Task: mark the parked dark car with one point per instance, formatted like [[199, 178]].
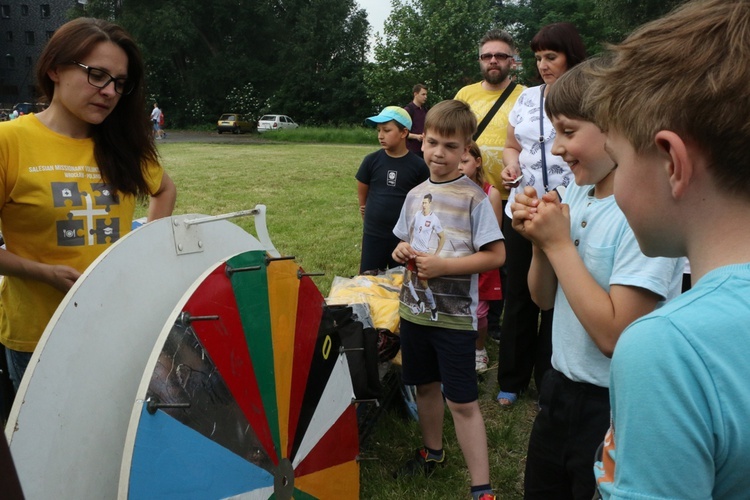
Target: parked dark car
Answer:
[[29, 107]]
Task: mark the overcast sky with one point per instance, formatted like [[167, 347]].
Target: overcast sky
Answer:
[[377, 12]]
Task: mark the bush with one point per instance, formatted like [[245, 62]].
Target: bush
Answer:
[[329, 135]]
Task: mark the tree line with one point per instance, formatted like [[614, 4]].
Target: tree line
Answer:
[[309, 58]]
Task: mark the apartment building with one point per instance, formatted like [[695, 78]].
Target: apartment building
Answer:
[[25, 27]]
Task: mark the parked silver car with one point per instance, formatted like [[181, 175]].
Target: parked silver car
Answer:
[[275, 122]]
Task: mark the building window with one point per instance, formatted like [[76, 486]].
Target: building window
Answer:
[[44, 10], [29, 61], [10, 61], [29, 38], [5, 11], [49, 34], [24, 10], [9, 36]]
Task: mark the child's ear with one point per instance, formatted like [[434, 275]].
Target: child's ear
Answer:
[[676, 160]]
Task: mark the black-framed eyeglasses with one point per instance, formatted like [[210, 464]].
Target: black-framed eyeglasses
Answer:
[[500, 56], [100, 79]]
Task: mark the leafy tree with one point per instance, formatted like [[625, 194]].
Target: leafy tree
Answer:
[[598, 21], [428, 41], [304, 56], [320, 61]]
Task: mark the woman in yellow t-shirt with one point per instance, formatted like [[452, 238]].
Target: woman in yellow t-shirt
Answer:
[[71, 174]]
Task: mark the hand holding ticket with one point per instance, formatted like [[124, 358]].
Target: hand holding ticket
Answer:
[[514, 182]]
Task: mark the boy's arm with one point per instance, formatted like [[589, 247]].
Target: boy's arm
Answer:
[[362, 191], [604, 315], [490, 256], [542, 280], [496, 200]]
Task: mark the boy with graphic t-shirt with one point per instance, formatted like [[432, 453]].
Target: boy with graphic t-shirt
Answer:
[[453, 237], [383, 180]]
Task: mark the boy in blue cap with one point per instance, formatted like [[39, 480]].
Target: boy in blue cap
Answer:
[[383, 180]]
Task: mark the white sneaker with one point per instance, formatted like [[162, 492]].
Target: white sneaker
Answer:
[[481, 359]]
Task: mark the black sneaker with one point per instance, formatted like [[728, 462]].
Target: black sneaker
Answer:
[[494, 334], [420, 465]]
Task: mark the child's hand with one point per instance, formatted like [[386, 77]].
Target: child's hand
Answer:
[[523, 208], [550, 225], [429, 266], [403, 253]]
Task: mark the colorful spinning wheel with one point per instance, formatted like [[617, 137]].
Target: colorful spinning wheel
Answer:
[[246, 394]]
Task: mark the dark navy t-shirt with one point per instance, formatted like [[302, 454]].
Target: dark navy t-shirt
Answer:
[[389, 180]]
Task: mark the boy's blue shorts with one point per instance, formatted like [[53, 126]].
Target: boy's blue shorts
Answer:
[[433, 354]]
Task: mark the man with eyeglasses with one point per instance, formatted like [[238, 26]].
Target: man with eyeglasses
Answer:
[[496, 51]]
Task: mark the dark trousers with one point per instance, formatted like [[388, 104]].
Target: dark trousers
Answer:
[[569, 428], [376, 253], [526, 341]]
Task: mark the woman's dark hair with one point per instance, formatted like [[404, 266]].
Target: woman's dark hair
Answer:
[[560, 37], [123, 142]]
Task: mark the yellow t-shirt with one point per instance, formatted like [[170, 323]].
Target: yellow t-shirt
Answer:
[[54, 209], [492, 140]]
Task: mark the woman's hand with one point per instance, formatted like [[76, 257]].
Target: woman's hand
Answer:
[[60, 277], [510, 173]]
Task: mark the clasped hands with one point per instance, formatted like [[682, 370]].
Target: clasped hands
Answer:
[[545, 222]]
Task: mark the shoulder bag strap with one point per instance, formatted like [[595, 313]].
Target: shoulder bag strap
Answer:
[[491, 113]]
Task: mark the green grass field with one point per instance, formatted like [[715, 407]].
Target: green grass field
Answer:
[[310, 194]]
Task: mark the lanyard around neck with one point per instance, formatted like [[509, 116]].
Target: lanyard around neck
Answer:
[[545, 179]]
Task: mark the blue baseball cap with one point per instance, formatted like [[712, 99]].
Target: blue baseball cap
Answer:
[[389, 113]]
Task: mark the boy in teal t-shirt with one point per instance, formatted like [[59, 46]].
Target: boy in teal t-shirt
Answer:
[[679, 377]]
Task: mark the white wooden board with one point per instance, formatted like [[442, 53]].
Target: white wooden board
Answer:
[[68, 423]]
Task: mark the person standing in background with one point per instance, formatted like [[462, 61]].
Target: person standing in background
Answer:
[[156, 120], [491, 101], [417, 109]]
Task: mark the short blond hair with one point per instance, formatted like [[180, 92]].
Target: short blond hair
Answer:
[[687, 72], [451, 117]]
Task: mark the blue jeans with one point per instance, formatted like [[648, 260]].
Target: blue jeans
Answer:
[[17, 363]]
